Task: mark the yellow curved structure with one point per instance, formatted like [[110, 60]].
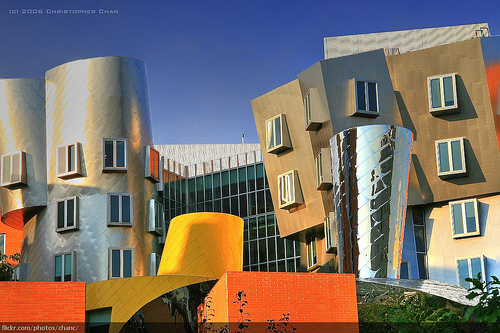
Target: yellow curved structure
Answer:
[[199, 247]]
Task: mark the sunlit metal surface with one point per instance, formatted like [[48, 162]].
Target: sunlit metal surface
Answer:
[[22, 128], [88, 100], [370, 175]]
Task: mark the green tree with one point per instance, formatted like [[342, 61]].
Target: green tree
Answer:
[[6, 268], [487, 310]]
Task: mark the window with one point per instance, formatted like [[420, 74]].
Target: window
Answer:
[[330, 234], [442, 94], [450, 158], [2, 243], [469, 268], [464, 218], [121, 262], [154, 263], [277, 137], [420, 240], [323, 170], [14, 169], [311, 110], [67, 214], [312, 258], [65, 267], [404, 270], [155, 217], [289, 193], [115, 154], [366, 98], [120, 209], [152, 163], [68, 160]]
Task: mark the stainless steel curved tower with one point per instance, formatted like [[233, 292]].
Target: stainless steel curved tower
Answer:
[[370, 175]]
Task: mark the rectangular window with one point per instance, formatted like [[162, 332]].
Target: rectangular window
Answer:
[[121, 262], [450, 157], [65, 267], [366, 98], [115, 154], [330, 234], [68, 160], [312, 258], [323, 170], [155, 217], [289, 193], [14, 169], [469, 268], [307, 109], [120, 209], [154, 263], [277, 137], [405, 271], [67, 214], [464, 218], [442, 91], [2, 243], [152, 167]]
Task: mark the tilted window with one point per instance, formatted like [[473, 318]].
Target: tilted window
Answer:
[[65, 266], [115, 154], [312, 256], [152, 167], [323, 170], [469, 268], [450, 156], [277, 137], [68, 160], [67, 214], [289, 192], [121, 262], [442, 91], [366, 93], [120, 212], [155, 217], [312, 111], [464, 218], [14, 169], [330, 234]]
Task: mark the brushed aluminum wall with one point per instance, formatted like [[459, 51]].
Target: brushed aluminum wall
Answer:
[[88, 100], [370, 174], [22, 128]]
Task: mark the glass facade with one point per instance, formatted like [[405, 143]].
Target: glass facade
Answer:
[[244, 192]]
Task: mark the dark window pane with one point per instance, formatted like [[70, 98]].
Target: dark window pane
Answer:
[[208, 187], [262, 250], [252, 226], [120, 154], [271, 250], [297, 264], [456, 155], [475, 264], [251, 178], [372, 96], [405, 270], [225, 183], [263, 267], [260, 176], [108, 153], [281, 266], [70, 212], [217, 206], [419, 238], [280, 243], [68, 267], [243, 206], [234, 206], [234, 182], [127, 263], [360, 91], [444, 161], [254, 268], [261, 227], [272, 267], [58, 272], [115, 208], [289, 248], [463, 272], [209, 206], [261, 208], [270, 225], [422, 271], [242, 174], [290, 265], [253, 252], [200, 207], [200, 189], [277, 129], [448, 91], [126, 218], [60, 214], [458, 227], [115, 263], [470, 217], [418, 215], [217, 191], [191, 191], [225, 206], [71, 158], [269, 202], [252, 207], [245, 230], [246, 254], [435, 94]]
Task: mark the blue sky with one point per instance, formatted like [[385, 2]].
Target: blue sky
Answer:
[[207, 60]]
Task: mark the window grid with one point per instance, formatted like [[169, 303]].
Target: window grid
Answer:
[[464, 218], [469, 267], [115, 154], [120, 209], [67, 214], [13, 169], [366, 97], [121, 262], [450, 156], [64, 267], [68, 160], [442, 90]]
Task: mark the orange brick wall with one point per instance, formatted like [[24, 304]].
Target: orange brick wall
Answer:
[[13, 239], [313, 302], [48, 303]]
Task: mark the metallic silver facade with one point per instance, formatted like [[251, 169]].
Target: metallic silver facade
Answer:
[[87, 101], [370, 182], [22, 128]]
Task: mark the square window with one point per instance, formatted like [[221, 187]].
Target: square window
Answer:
[[404, 270], [155, 217], [289, 193], [14, 169], [114, 154], [152, 167], [331, 234], [120, 212], [323, 170], [366, 94], [464, 218], [469, 268], [312, 258], [2, 243], [442, 90], [277, 137], [65, 267], [450, 157], [121, 262], [68, 160], [67, 214]]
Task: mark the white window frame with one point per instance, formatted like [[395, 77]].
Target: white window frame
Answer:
[[271, 133], [409, 268], [323, 169], [442, 109], [21, 156], [73, 266], [120, 210], [289, 194], [114, 167], [75, 214], [154, 263], [77, 167], [312, 249], [464, 222], [307, 109], [4, 237], [451, 173], [110, 261], [367, 100], [147, 166], [156, 217], [483, 268], [330, 234]]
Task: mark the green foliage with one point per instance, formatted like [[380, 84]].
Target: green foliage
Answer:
[[6, 268], [487, 310], [410, 312]]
